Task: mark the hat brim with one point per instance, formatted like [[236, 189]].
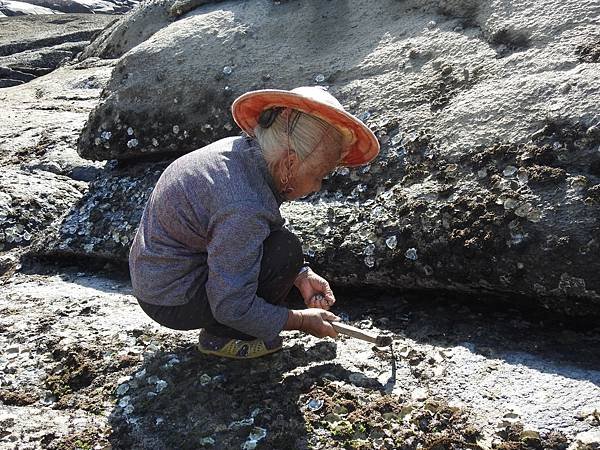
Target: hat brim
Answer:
[[360, 144]]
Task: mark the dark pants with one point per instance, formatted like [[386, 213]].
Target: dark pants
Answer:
[[281, 261]]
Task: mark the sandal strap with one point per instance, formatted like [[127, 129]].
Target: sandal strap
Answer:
[[239, 349]]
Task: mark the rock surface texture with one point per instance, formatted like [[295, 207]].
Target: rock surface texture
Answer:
[[487, 183], [83, 367], [13, 8], [42, 175], [31, 46], [489, 175]]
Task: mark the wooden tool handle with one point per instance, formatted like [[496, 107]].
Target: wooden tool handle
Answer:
[[354, 332]]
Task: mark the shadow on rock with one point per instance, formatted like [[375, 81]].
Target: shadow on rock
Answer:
[[547, 343], [183, 399]]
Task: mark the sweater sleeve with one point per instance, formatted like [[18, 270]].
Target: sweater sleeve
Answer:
[[234, 251]]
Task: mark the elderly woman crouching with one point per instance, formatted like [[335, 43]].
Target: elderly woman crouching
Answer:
[[211, 252]]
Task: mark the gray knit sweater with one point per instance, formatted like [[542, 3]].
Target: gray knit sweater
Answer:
[[203, 228]]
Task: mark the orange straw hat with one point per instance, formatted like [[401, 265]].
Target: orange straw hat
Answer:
[[359, 143]]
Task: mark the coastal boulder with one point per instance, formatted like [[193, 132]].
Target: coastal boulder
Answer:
[[489, 176]]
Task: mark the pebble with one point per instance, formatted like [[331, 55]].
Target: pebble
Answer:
[[363, 117], [205, 379], [391, 242], [530, 434], [411, 254], [377, 212], [509, 171], [510, 203], [446, 70], [315, 404], [523, 210], [535, 215], [523, 176], [206, 441], [122, 389], [124, 401], [396, 139], [161, 385]]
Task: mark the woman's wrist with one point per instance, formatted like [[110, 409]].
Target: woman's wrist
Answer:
[[303, 273], [295, 320]]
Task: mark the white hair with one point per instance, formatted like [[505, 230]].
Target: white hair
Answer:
[[306, 132]]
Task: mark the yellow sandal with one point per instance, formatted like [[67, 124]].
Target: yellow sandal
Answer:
[[236, 348]]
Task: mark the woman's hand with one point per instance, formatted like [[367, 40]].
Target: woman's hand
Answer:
[[313, 321], [315, 290]]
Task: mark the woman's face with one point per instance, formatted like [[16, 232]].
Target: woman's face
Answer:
[[307, 176]]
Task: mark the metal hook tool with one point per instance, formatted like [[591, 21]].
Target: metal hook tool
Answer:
[[379, 340]]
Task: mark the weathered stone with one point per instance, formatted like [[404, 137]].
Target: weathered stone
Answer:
[[461, 235], [102, 224], [41, 120], [38, 62], [138, 26], [31, 46], [36, 7], [486, 178], [18, 34], [30, 202], [464, 237], [175, 77]]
